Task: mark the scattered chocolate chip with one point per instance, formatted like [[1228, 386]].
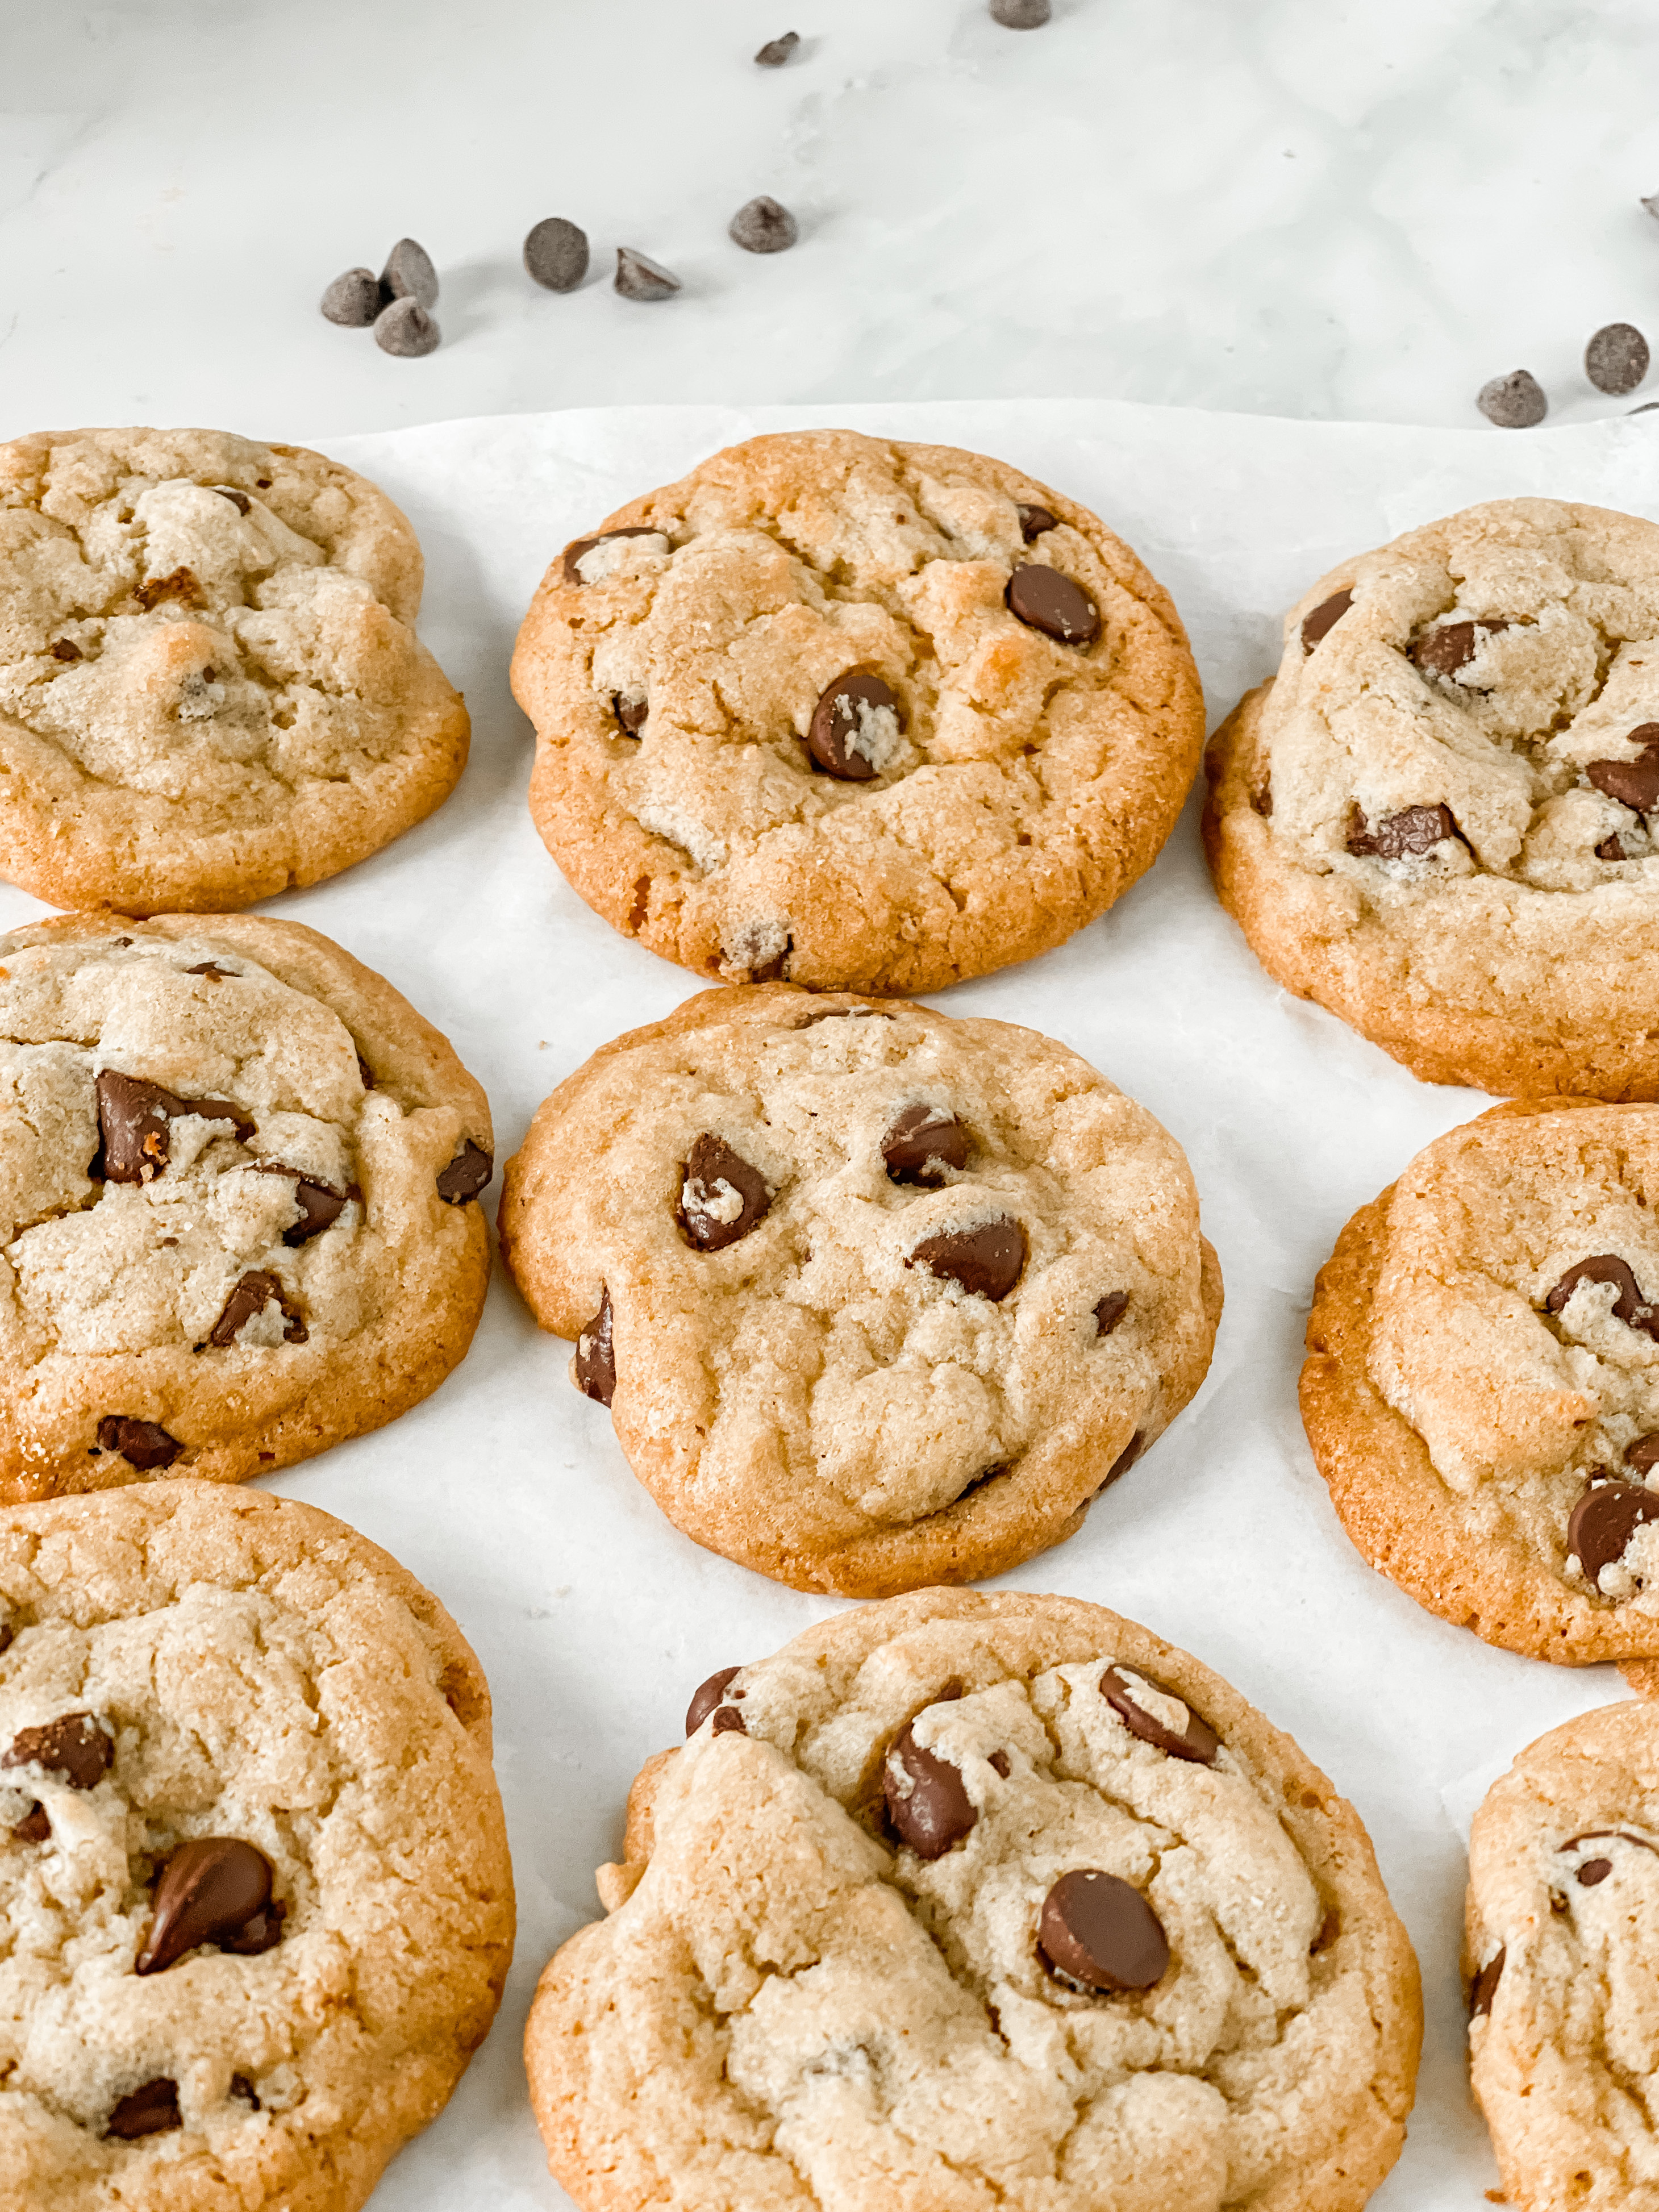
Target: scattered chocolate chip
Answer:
[[215, 1890], [998, 1764], [927, 1804], [1484, 1988], [1616, 359], [1630, 1306], [75, 1747], [1633, 783], [1515, 402], [555, 254], [1020, 14], [1048, 600], [210, 968], [1125, 1459], [405, 328], [728, 1720], [149, 2110], [243, 504], [721, 1197], [640, 277], [63, 649], [1109, 1310], [133, 1119], [1034, 521], [142, 1444], [243, 2090], [180, 585], [777, 52], [352, 298], [1197, 1741], [1099, 1933], [409, 274], [1325, 618], [1643, 1454], [707, 1696], [922, 1143], [844, 738], [35, 1826], [596, 1359], [1413, 830], [467, 1174], [763, 226], [986, 1259], [1596, 1871], [574, 552], [1611, 848], [251, 1295], [630, 713], [1603, 1522]]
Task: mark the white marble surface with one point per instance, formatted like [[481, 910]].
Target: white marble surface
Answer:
[[1293, 207]]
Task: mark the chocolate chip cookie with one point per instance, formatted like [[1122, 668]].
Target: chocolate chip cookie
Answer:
[[254, 1887], [1440, 818], [876, 1297], [841, 711], [1562, 1961], [238, 1176], [966, 1900], [211, 686], [1481, 1390]]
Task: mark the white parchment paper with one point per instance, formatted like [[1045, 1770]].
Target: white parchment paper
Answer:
[[505, 1492]]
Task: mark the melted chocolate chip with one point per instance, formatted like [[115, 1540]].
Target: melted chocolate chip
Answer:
[[1034, 521], [1484, 1988], [1197, 1741], [1046, 599], [134, 1125], [63, 649], [1611, 848], [319, 1209], [721, 1197], [1099, 1932], [986, 1260], [143, 1444], [252, 1293], [1603, 1522], [574, 550], [215, 1890], [1449, 647], [181, 585], [467, 1174], [707, 1696], [596, 1359], [1125, 1459], [1630, 1306], [1324, 618], [365, 1072], [1401, 836], [242, 2090], [927, 1802], [728, 1720], [1643, 1454], [149, 2110], [1109, 1310], [999, 1763], [75, 1747], [631, 714], [922, 1144], [1633, 783], [239, 500], [35, 1826], [837, 736], [210, 968], [1593, 1872]]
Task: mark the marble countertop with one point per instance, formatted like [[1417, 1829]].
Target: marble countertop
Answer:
[[1310, 209]]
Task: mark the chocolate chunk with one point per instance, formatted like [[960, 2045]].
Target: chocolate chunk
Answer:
[[1099, 1933], [1401, 836], [763, 225], [1611, 848], [1643, 1454], [242, 504], [640, 277], [1109, 1310], [728, 1721], [75, 1747], [409, 274], [35, 1826], [1325, 618], [467, 1174], [927, 1802], [1595, 1871], [1484, 1988], [1046, 599], [630, 713], [986, 1259], [555, 254], [63, 649], [1630, 1306], [840, 738], [406, 329], [215, 1890], [574, 550], [142, 1444], [721, 1197], [149, 2110], [707, 1696], [1021, 14], [133, 1125], [180, 585], [1603, 1522], [319, 1209], [777, 52], [1034, 521], [211, 969], [596, 1359], [1616, 359], [1449, 647], [1515, 402], [1633, 783], [1197, 1741], [251, 1295], [922, 1143]]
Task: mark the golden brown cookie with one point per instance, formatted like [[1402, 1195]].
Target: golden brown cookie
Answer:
[[1440, 818], [842, 711], [211, 686]]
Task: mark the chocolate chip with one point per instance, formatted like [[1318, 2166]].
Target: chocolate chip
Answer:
[[243, 2090], [1109, 1310], [927, 1802], [75, 1747], [1643, 1454], [640, 277], [1484, 1988], [63, 649], [251, 1295], [707, 1696], [1603, 1522], [148, 2110], [1451, 647], [1099, 1932], [320, 1206], [777, 52], [1633, 783], [467, 1174], [143, 1444], [1595, 1871], [1197, 1741], [134, 1125], [998, 1764], [596, 1359], [1515, 402], [1020, 14], [721, 1197], [1046, 599], [1616, 359], [1034, 521], [1630, 1306], [630, 713], [574, 550], [728, 1720], [555, 254], [1325, 618], [922, 1143], [35, 1827], [214, 1890], [180, 585], [986, 1259], [242, 504], [763, 226], [1125, 1459], [1413, 830], [406, 329], [409, 274], [353, 299], [1611, 848], [7, 1636], [365, 1072], [210, 968], [844, 736], [1262, 801]]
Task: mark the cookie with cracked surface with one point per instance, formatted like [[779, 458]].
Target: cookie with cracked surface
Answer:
[[876, 1297], [211, 686], [1481, 1390], [1440, 818], [981, 1900], [218, 1983], [1561, 1963], [236, 1176], [845, 712]]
